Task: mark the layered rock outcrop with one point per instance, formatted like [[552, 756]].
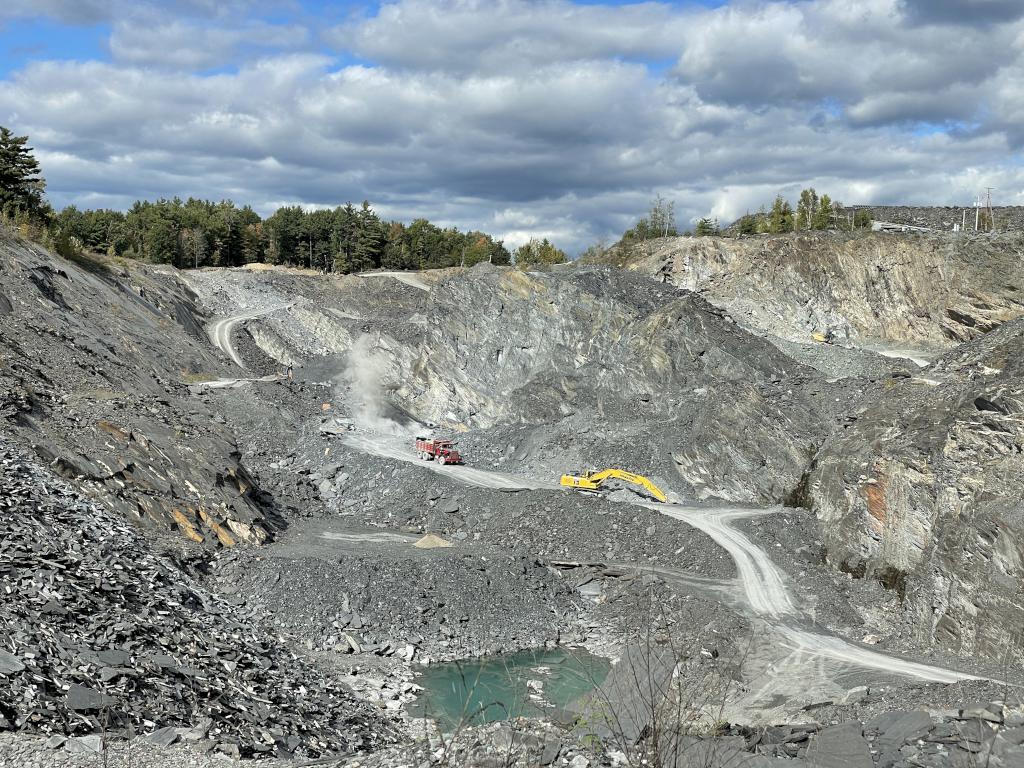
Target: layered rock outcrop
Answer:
[[95, 364], [930, 290], [924, 491]]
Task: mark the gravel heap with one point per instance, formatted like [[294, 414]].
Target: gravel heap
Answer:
[[446, 604], [972, 735], [99, 633]]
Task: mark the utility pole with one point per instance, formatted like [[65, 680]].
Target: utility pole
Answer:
[[991, 215], [977, 211]]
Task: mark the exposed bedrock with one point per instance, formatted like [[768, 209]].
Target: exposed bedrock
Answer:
[[924, 492], [928, 290], [609, 367], [95, 366]]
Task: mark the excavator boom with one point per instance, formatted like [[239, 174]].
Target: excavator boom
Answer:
[[591, 481]]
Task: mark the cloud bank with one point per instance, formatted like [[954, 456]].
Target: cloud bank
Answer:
[[529, 117]]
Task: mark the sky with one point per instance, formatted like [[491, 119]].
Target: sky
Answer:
[[521, 118]]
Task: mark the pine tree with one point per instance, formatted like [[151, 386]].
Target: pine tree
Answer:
[[370, 239], [747, 224], [345, 238], [707, 227], [781, 217], [21, 186]]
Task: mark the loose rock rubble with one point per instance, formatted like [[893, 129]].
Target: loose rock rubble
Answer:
[[101, 634], [974, 735]]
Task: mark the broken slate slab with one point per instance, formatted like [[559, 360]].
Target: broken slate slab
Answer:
[[840, 746], [908, 726], [85, 745], [9, 664], [82, 699], [112, 658], [991, 713], [162, 737]]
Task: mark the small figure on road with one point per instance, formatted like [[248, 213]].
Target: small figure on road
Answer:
[[289, 373]]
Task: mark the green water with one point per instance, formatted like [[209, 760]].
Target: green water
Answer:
[[496, 688]]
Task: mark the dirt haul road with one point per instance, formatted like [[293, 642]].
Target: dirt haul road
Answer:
[[220, 330], [409, 278], [762, 585]]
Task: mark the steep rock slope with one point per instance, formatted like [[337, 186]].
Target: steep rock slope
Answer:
[[608, 368], [924, 491], [569, 369], [95, 363], [931, 290]]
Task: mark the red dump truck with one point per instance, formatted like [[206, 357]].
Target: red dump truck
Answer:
[[443, 450]]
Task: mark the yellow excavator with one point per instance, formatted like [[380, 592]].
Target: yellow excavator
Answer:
[[591, 481]]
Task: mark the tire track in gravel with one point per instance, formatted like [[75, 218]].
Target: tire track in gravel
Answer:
[[764, 585]]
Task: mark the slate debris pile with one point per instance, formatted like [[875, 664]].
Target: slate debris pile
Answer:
[[408, 497], [99, 633], [94, 378], [974, 735], [449, 605]]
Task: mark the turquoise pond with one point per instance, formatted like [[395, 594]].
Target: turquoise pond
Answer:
[[524, 684]]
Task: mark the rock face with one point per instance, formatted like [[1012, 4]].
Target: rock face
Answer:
[[924, 491], [610, 368], [507, 345], [589, 366], [94, 374], [933, 290]]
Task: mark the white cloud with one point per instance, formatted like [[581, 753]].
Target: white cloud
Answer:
[[538, 118], [190, 45]]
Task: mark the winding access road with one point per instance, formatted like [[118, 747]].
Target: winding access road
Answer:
[[810, 657], [409, 278], [220, 330]]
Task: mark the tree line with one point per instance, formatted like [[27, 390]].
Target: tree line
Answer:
[[811, 213], [198, 233]]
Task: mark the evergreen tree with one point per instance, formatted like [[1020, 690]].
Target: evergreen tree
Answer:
[[21, 185], [370, 239], [747, 225], [284, 233], [318, 234], [706, 227], [346, 238], [823, 216], [396, 251], [780, 219]]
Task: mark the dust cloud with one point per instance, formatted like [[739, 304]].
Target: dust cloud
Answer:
[[364, 375]]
